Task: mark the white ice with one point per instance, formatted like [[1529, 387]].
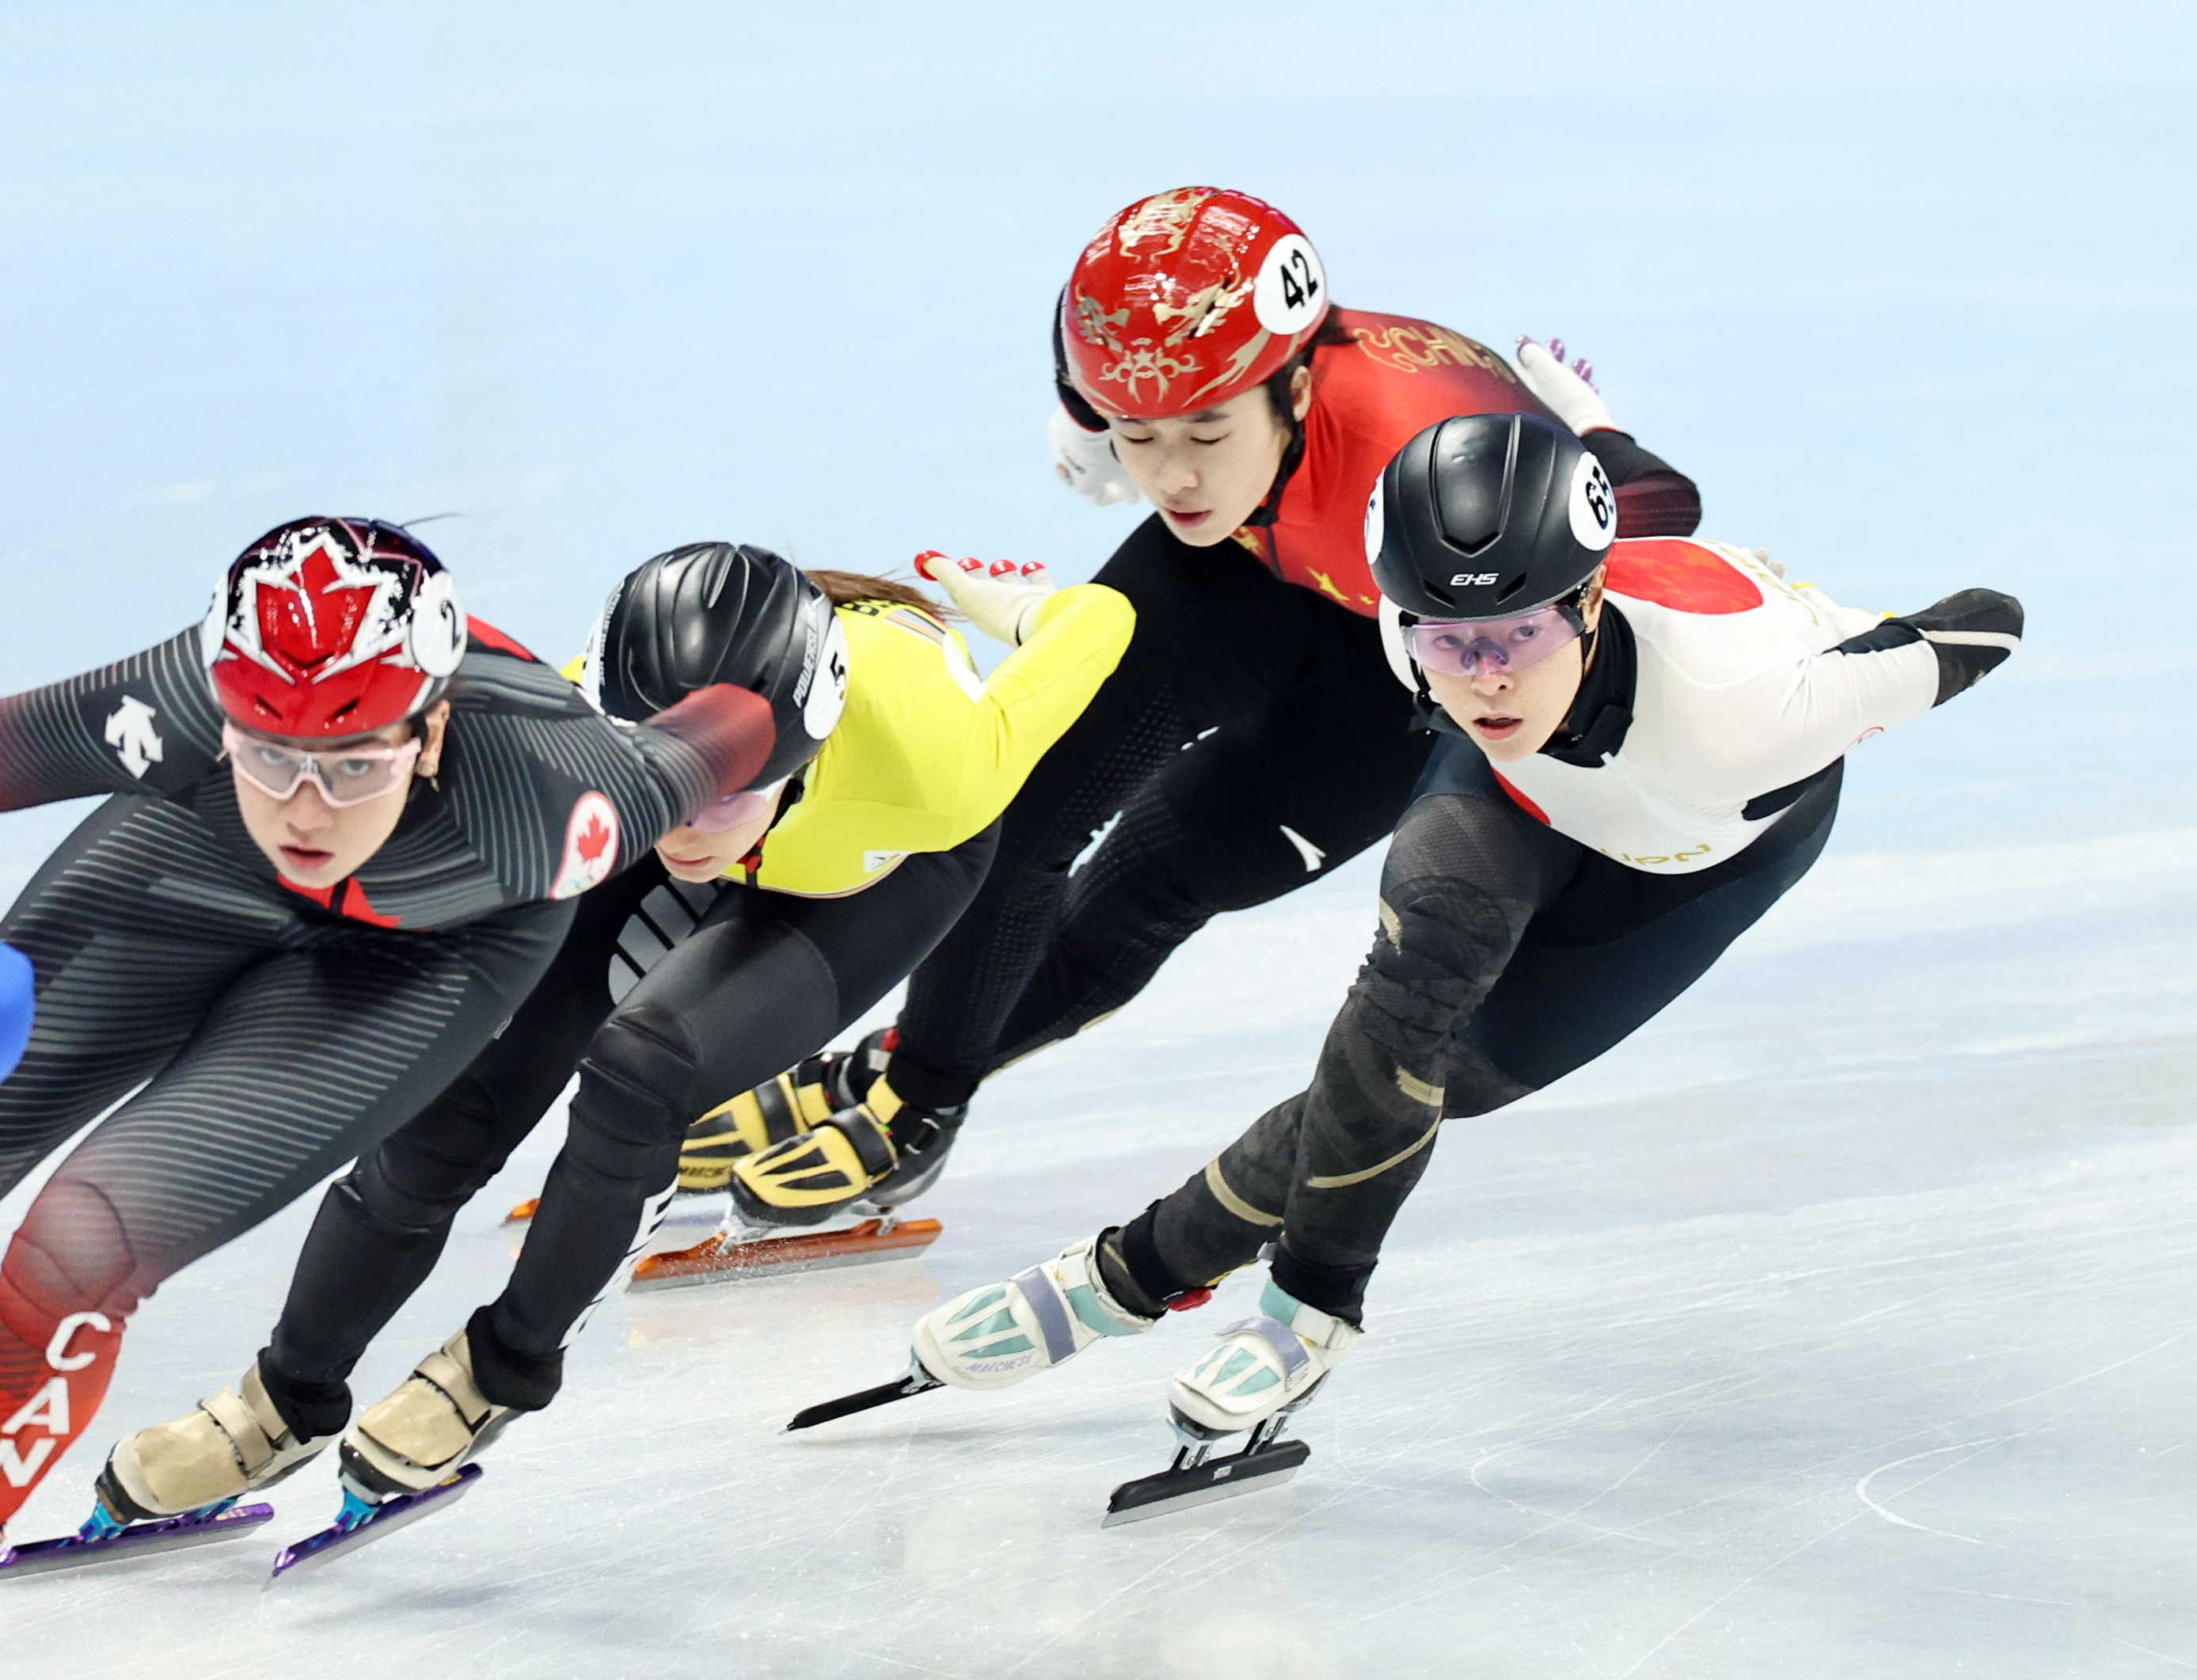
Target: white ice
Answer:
[[1841, 1322]]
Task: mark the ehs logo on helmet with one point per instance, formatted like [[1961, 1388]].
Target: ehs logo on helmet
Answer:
[[591, 846]]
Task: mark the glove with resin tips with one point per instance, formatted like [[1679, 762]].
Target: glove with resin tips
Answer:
[[1001, 600], [1087, 463], [1568, 392]]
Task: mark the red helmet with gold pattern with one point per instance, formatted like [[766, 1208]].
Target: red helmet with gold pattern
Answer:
[[1187, 299]]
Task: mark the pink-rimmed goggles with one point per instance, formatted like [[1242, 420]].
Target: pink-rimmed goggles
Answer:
[[738, 808], [1465, 647], [343, 775]]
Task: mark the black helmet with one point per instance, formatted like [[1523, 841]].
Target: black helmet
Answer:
[[721, 612], [1482, 516]]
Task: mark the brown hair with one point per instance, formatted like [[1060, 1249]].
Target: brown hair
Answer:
[[840, 588]]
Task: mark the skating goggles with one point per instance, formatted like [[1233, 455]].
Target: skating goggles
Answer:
[[345, 775], [736, 809], [1467, 646]]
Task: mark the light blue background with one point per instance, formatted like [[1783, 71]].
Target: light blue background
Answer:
[[1908, 290]]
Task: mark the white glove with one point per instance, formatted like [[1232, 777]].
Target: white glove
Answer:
[[1568, 392], [1087, 462], [1001, 599]]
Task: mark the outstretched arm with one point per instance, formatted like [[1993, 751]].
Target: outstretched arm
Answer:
[[148, 723], [1654, 498], [1969, 636]]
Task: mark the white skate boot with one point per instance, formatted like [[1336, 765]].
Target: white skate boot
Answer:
[[229, 1444], [1261, 1367], [995, 1337], [436, 1420]]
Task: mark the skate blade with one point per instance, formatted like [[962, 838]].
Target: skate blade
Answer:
[[723, 1256], [140, 1539], [1169, 1491], [917, 1382], [398, 1513]]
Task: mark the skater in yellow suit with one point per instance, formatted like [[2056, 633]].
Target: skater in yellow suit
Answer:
[[738, 946]]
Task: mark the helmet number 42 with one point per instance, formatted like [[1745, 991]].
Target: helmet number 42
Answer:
[[1288, 295]]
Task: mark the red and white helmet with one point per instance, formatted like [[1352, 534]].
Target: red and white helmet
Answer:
[[332, 627], [1187, 299]]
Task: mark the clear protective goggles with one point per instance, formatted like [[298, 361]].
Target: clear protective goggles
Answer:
[[345, 775], [737, 809], [1466, 647]]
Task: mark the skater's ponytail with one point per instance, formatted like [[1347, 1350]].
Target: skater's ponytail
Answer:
[[842, 588]]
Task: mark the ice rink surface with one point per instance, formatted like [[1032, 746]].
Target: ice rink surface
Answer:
[[1841, 1322]]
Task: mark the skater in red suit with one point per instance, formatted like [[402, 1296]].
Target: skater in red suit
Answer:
[[348, 832], [1250, 739]]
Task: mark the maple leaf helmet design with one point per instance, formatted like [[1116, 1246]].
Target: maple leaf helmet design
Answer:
[[327, 628], [713, 612], [1187, 299]]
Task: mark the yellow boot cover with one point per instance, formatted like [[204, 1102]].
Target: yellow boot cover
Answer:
[[805, 1178], [224, 1446], [750, 1123]]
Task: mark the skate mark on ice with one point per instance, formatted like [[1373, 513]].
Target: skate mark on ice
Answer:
[[1972, 1448], [2177, 1661]]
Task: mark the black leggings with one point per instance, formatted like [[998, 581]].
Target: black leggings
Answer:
[[1252, 738], [1510, 956], [738, 985]]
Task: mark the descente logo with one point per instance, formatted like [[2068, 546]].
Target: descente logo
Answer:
[[1474, 580]]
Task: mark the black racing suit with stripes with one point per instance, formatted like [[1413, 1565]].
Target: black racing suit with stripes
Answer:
[[1535, 913], [269, 1033]]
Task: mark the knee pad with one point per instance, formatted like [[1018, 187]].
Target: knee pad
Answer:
[[72, 1254], [636, 1084]]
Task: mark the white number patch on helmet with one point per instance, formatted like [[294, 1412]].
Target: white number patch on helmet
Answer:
[[1593, 505], [1377, 521], [1291, 289], [437, 635], [591, 660], [827, 693]]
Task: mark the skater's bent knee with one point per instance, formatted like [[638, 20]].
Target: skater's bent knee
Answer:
[[72, 1254], [637, 1079]]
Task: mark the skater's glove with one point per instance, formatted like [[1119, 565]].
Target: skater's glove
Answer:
[[1001, 600], [1568, 392], [1087, 463]]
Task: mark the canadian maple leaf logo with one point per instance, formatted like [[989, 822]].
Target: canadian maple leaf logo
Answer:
[[591, 845], [593, 840]]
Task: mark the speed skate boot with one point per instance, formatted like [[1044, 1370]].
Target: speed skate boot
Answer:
[[880, 1151], [1260, 1369], [996, 1336], [782, 1109], [437, 1419], [1001, 1334], [229, 1444]]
